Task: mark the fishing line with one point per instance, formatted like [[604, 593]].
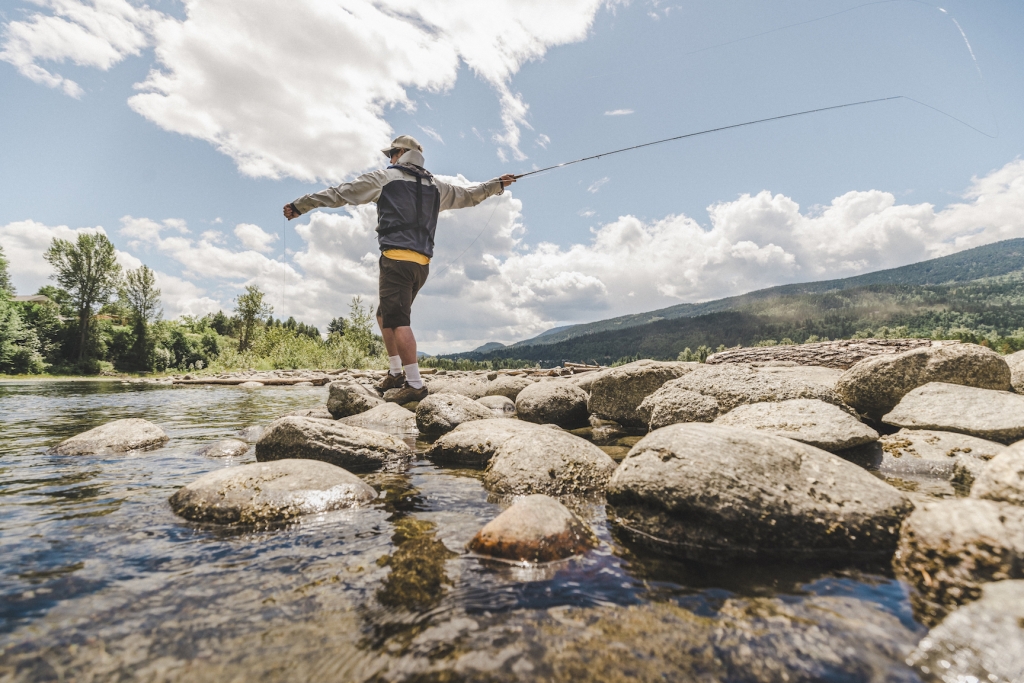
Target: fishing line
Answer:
[[478, 236]]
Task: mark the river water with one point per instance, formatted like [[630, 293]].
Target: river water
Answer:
[[100, 581]]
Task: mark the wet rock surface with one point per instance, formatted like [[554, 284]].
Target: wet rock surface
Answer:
[[809, 421], [387, 417], [119, 436], [320, 413], [983, 641], [1002, 479], [700, 490], [535, 528], [547, 461], [949, 549], [346, 398], [617, 393], [671, 405], [269, 492], [441, 413], [474, 443], [507, 386], [472, 386], [553, 403], [228, 448], [353, 448], [501, 406], [984, 413], [874, 386]]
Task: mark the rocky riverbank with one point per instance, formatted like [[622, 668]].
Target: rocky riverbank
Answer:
[[911, 459]]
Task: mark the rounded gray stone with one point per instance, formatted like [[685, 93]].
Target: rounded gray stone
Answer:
[[269, 492], [1002, 479], [474, 443], [250, 385], [441, 413], [553, 403], [535, 528], [671, 405], [930, 452], [508, 386], [320, 413], [228, 448], [353, 448], [386, 417], [349, 398], [984, 413], [688, 489], [547, 461], [119, 436], [809, 421], [470, 386], [950, 548], [875, 385], [501, 406], [1015, 361], [617, 393]]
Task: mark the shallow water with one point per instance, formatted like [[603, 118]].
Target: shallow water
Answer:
[[101, 581]]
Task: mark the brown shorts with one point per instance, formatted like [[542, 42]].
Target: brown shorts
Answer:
[[399, 283]]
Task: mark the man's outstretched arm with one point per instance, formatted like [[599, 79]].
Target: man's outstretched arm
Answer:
[[456, 197], [363, 190]]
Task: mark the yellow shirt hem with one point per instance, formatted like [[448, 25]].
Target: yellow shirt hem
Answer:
[[407, 255]]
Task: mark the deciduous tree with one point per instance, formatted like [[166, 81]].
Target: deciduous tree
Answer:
[[250, 309]]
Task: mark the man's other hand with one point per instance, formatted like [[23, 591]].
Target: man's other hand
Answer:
[[507, 179], [290, 212]]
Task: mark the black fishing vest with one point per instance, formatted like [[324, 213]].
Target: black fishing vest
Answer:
[[407, 213]]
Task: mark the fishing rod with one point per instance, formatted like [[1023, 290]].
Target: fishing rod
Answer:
[[740, 125]]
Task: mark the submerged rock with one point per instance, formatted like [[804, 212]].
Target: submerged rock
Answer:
[[119, 436], [387, 417], [268, 492], [688, 489], [320, 413], [809, 421], [985, 413], [982, 641], [353, 448], [948, 549], [617, 393], [251, 434], [875, 385], [474, 443], [508, 386], [536, 528], [501, 406], [1003, 478], [440, 413], [553, 403], [228, 448], [547, 461], [348, 398], [671, 405]]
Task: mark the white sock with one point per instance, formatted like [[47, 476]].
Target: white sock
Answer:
[[412, 375], [396, 364]]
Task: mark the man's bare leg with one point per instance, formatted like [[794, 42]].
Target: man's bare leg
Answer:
[[391, 345], [401, 343]]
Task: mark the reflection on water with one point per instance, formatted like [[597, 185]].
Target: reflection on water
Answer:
[[100, 581]]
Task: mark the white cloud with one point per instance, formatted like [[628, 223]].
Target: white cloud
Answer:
[[542, 141], [25, 242], [619, 112], [597, 185], [252, 236], [432, 133]]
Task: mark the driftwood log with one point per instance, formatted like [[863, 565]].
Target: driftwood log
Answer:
[[841, 354], [267, 381]]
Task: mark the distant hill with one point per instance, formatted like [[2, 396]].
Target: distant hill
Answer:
[[978, 292], [489, 346]]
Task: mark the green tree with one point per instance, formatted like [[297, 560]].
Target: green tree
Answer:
[[19, 345], [251, 309], [140, 295], [5, 275], [337, 326], [88, 270]]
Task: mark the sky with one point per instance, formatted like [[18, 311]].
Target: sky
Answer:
[[180, 129]]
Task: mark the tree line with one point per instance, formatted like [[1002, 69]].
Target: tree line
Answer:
[[98, 317]]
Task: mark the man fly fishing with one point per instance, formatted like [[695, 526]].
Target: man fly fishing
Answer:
[[408, 201]]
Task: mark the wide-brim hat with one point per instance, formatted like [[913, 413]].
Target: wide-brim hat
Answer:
[[402, 142]]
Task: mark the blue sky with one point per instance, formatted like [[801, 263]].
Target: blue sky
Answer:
[[248, 112]]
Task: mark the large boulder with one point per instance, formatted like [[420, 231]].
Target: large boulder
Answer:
[[349, 398], [119, 436], [269, 492], [670, 405], [924, 452], [948, 549], [353, 448], [688, 489], [1015, 361], [441, 413], [875, 385], [983, 641], [471, 386], [547, 461], [226, 448], [734, 385], [508, 386], [808, 420], [985, 413], [617, 393], [535, 528], [474, 443], [501, 406], [386, 417], [1003, 477], [553, 403]]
